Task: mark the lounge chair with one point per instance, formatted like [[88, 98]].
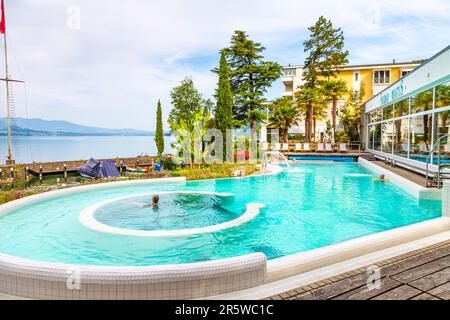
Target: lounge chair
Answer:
[[306, 147], [328, 147], [285, 147], [277, 147], [343, 148], [423, 148], [298, 147], [320, 147]]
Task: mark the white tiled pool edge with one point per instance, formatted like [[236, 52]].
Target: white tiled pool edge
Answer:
[[406, 185]]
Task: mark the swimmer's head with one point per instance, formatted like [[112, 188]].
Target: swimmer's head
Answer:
[[155, 198]]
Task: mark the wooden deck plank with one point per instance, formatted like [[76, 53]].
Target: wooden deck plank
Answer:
[[414, 261], [403, 292], [365, 293], [442, 292], [433, 280], [425, 296], [423, 270], [336, 288]]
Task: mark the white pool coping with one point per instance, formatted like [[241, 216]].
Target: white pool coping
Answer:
[[87, 218], [418, 191]]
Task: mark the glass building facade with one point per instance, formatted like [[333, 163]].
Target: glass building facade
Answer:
[[409, 128]]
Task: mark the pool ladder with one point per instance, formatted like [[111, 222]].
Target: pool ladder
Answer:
[[443, 170]]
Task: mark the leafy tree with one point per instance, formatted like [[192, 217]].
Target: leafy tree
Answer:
[[200, 119], [350, 115], [326, 53], [250, 77], [334, 90], [187, 102], [159, 134], [310, 101], [284, 116]]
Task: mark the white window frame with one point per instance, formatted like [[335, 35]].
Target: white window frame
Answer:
[[384, 71], [405, 70]]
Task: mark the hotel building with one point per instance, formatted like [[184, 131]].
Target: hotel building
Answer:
[[409, 122], [372, 79]]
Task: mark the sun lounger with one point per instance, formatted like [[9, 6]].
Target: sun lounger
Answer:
[[328, 147], [298, 147], [276, 147], [343, 148], [320, 147], [285, 147], [306, 147]]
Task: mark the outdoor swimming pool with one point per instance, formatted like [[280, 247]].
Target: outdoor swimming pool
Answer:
[[311, 206]]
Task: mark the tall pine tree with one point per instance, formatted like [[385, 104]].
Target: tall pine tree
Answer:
[[159, 134], [250, 77], [326, 53], [224, 107]]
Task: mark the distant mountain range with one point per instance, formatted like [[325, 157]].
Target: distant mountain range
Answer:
[[40, 127]]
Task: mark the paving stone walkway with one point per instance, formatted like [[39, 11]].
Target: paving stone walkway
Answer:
[[420, 275]]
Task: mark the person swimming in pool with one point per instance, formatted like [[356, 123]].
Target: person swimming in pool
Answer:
[[155, 202], [382, 178]]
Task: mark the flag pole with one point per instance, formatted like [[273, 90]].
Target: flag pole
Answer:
[[8, 99], [7, 80]]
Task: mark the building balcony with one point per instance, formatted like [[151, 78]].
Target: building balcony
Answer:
[[288, 80], [288, 93]]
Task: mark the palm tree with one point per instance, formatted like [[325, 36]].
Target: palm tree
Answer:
[[334, 90], [318, 114], [284, 116], [310, 102]]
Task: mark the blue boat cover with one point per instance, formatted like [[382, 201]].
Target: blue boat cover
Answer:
[[96, 169], [159, 166], [90, 169], [109, 169]]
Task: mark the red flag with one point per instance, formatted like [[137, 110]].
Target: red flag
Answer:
[[2, 21]]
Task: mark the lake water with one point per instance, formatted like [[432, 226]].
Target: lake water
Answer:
[[43, 149]]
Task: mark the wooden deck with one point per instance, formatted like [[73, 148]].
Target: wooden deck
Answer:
[[420, 275], [405, 173]]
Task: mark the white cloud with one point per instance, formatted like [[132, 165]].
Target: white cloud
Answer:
[[128, 54]]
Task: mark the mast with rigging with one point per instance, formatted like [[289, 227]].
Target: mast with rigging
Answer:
[[7, 81]]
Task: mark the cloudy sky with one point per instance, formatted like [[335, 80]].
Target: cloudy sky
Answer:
[[109, 67]]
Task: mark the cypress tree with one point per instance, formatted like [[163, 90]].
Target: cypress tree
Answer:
[[159, 135], [224, 107]]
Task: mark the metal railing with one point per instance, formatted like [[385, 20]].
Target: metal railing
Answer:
[[350, 147], [430, 157]]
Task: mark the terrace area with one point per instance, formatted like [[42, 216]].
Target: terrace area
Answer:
[[419, 275]]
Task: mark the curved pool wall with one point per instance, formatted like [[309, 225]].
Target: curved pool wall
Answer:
[[44, 280], [87, 218]]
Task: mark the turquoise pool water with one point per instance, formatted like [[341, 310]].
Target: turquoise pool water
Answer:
[[313, 205], [175, 211]]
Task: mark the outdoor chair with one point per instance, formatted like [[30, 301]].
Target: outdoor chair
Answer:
[[343, 148], [306, 147]]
